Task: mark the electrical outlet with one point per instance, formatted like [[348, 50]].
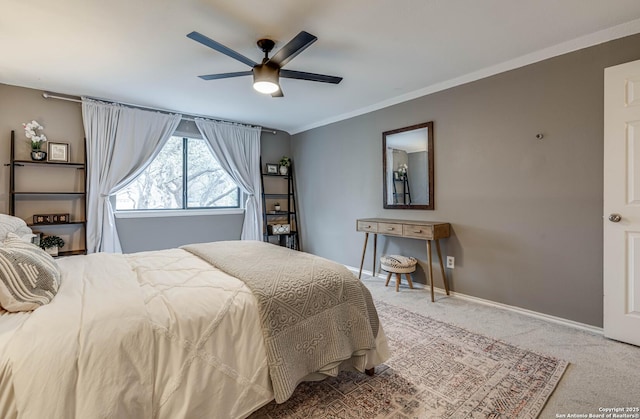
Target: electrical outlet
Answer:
[[451, 262]]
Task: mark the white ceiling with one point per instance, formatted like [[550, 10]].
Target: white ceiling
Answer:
[[136, 51]]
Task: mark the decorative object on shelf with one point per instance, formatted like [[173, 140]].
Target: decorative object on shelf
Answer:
[[59, 152], [285, 162], [41, 219], [38, 155], [51, 244], [36, 140], [60, 218], [276, 206], [36, 238], [279, 229], [272, 169], [51, 218], [402, 170]]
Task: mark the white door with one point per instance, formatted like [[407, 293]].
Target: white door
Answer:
[[622, 202]]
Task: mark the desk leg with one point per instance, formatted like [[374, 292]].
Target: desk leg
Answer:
[[375, 246], [444, 276], [429, 262], [364, 250]]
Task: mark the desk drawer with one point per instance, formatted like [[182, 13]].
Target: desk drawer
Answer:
[[417, 231], [367, 226], [390, 229]]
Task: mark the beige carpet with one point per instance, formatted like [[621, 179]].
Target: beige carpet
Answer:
[[436, 371]]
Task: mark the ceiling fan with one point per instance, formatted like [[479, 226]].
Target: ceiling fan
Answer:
[[266, 75]]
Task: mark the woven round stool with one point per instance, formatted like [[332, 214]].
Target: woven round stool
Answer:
[[399, 265]]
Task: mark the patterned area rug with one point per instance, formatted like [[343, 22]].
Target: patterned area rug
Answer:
[[436, 371]]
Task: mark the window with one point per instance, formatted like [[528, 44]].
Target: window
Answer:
[[184, 175]]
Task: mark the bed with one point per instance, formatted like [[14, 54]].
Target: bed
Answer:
[[176, 333]]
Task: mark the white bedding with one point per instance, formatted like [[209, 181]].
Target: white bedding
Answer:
[[149, 335]]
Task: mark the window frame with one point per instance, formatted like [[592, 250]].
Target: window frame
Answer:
[[158, 213], [185, 210]]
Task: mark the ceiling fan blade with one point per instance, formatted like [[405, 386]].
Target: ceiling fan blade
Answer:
[[198, 37], [293, 48], [278, 93], [301, 75], [226, 75]]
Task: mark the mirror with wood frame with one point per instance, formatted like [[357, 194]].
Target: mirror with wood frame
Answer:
[[407, 164]]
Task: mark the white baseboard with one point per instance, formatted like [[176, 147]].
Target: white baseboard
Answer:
[[530, 313]]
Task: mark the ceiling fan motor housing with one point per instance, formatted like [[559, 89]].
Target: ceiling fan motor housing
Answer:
[[266, 70], [267, 73]]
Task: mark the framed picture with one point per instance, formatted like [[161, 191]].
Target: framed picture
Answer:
[[272, 168], [396, 175], [58, 152]]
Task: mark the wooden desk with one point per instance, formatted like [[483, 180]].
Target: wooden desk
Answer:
[[423, 230]]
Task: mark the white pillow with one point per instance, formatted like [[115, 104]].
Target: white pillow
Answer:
[[25, 233], [11, 224], [29, 277], [27, 238]]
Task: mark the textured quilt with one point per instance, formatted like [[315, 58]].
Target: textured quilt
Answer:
[[314, 312]]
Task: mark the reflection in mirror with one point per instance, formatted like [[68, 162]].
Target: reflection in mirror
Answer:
[[407, 161]]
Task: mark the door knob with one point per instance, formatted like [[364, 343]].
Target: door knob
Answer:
[[614, 218]]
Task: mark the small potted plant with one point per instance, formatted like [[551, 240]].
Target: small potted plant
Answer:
[[51, 244], [30, 131], [402, 170], [276, 206], [285, 162]]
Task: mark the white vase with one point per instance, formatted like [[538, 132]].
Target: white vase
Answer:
[[53, 251], [38, 155], [284, 170]]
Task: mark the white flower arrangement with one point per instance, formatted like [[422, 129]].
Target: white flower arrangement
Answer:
[[402, 169], [30, 131]]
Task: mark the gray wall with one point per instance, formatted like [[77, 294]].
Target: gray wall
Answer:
[[63, 123], [526, 214]]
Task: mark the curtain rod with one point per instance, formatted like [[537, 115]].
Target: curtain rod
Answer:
[[188, 117]]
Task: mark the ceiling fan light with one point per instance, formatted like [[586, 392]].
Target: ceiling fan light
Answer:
[[265, 79], [265, 87]]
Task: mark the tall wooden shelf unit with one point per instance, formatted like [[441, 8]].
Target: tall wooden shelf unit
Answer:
[[43, 199], [288, 212]]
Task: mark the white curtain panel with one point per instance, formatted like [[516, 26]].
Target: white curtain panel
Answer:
[[120, 142], [237, 149]]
